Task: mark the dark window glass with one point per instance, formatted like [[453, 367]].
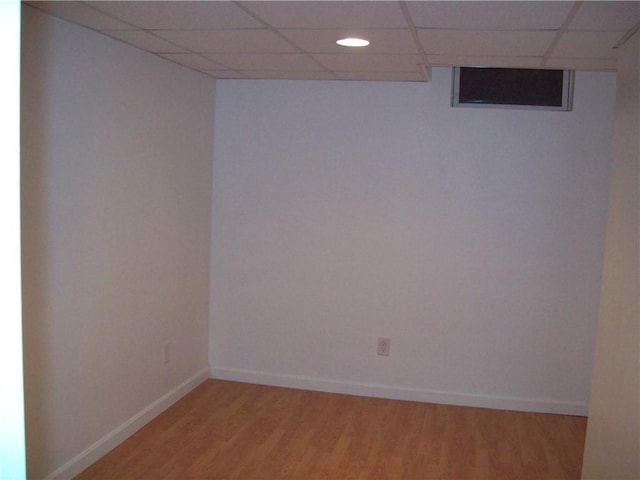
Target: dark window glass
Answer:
[[511, 86]]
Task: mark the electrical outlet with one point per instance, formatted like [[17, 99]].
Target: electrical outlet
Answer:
[[167, 353], [384, 344]]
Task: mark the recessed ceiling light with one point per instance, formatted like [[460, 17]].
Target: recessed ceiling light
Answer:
[[353, 42]]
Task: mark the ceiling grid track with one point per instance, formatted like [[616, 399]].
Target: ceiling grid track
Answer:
[[152, 32], [283, 37], [561, 31], [625, 38], [424, 66]]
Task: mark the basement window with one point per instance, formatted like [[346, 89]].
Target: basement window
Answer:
[[531, 88]]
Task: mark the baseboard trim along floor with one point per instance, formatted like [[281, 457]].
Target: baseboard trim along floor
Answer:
[[539, 405], [99, 448]]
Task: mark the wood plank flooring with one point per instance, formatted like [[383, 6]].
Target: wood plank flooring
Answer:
[[228, 430]]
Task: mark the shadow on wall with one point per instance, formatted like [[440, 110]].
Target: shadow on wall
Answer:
[[35, 266]]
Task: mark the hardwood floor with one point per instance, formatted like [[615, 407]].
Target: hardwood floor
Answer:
[[233, 430]]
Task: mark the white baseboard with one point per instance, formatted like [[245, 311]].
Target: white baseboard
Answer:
[[402, 393], [112, 439]]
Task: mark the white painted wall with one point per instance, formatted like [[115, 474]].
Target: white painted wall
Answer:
[[117, 148], [612, 448], [473, 238]]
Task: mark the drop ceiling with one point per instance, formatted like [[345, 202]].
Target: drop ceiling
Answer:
[[296, 39]]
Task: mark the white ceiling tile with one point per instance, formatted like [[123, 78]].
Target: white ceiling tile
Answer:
[[487, 33], [145, 41], [324, 41], [585, 64], [329, 14], [192, 60], [485, 43], [287, 62], [480, 61], [82, 14], [495, 15], [602, 16], [183, 15], [228, 41], [587, 45], [369, 63]]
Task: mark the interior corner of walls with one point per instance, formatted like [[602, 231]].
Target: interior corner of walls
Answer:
[[118, 435]]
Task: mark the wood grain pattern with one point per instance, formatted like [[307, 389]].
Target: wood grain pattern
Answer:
[[228, 430]]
